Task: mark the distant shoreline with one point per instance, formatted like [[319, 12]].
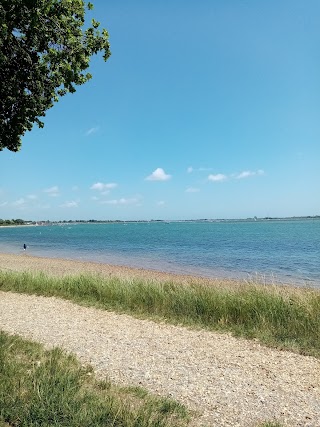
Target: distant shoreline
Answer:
[[142, 221], [18, 225]]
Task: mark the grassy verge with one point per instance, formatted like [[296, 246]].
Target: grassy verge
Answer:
[[50, 388], [282, 317]]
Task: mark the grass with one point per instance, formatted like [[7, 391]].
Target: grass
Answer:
[[50, 388], [287, 318]]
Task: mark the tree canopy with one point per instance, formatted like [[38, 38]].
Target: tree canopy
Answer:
[[44, 53]]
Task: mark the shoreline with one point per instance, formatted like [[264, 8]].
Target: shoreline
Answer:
[[17, 225], [216, 252], [66, 267], [72, 267]]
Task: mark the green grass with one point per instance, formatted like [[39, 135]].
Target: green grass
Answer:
[[50, 388], [277, 316]]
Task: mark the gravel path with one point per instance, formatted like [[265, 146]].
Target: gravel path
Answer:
[[228, 381]]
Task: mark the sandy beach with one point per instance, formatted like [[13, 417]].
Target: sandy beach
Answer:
[[227, 381]]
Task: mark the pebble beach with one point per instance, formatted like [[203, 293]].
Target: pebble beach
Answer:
[[226, 381]]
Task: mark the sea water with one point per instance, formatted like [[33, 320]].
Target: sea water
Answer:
[[286, 251]]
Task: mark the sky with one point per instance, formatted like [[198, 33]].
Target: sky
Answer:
[[206, 109]]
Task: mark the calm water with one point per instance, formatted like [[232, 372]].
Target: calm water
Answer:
[[287, 251]]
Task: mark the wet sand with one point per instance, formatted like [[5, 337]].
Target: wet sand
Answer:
[[66, 267]]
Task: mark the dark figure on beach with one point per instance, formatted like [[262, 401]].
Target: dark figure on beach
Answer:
[[24, 246]]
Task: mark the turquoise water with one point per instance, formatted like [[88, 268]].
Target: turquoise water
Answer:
[[284, 251]]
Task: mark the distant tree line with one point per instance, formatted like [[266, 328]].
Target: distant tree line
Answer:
[[12, 221]]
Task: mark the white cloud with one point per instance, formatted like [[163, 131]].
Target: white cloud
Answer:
[[190, 169], [122, 201], [247, 174], [92, 130], [158, 175], [94, 198], [52, 191], [32, 197], [161, 203], [103, 187], [75, 188], [217, 178], [3, 204], [192, 190], [71, 204], [19, 202]]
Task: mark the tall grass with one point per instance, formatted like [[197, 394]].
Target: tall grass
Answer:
[[282, 317], [51, 389]]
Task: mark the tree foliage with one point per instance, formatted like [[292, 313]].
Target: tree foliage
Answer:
[[44, 54]]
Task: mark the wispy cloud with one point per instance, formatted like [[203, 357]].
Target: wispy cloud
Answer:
[[28, 201], [247, 174], [201, 169], [19, 202], [161, 203], [192, 190], [71, 204], [122, 201], [103, 187], [219, 177], [158, 175], [92, 130], [52, 191], [244, 174], [75, 188]]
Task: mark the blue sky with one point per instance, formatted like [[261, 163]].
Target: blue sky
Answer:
[[206, 109]]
